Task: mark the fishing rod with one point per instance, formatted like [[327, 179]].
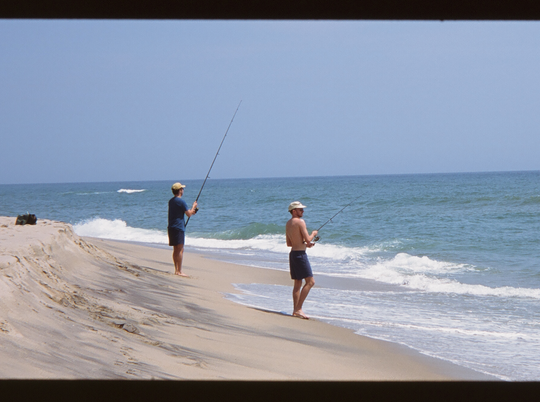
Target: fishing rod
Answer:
[[317, 238], [217, 153]]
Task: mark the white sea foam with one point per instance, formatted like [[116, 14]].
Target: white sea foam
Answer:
[[494, 334], [339, 253], [414, 272], [414, 264], [118, 230], [423, 273], [130, 191], [271, 243]]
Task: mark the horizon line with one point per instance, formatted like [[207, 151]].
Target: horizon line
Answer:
[[275, 177]]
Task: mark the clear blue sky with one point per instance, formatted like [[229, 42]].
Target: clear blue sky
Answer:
[[151, 100]]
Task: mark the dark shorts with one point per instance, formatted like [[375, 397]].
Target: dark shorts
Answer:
[[299, 265], [176, 236]]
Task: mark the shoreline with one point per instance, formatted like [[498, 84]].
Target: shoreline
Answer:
[[441, 370], [87, 308]]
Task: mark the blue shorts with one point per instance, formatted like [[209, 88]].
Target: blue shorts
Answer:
[[299, 265], [176, 236]]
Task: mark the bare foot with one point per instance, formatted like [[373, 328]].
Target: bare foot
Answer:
[[181, 274], [300, 314]]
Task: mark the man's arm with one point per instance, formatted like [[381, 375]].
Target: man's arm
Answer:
[[305, 235], [192, 211]]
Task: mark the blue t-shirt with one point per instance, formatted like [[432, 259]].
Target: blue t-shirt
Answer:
[[177, 208]]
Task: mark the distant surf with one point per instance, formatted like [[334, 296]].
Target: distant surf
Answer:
[[130, 191]]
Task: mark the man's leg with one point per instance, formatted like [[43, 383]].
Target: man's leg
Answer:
[[296, 292], [178, 255], [300, 295]]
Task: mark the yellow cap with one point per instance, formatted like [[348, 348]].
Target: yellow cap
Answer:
[[177, 186]]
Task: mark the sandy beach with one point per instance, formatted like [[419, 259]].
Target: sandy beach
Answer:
[[85, 308]]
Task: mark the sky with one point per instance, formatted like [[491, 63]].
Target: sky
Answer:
[[93, 101]]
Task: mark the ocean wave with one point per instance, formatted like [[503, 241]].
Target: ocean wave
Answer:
[[422, 273], [273, 243], [535, 199], [118, 230], [514, 336], [250, 231], [415, 264], [414, 272], [130, 191]]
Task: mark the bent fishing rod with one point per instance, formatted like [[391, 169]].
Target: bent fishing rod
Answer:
[[215, 157], [317, 238]]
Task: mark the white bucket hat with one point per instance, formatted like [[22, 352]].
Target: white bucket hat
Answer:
[[296, 204]]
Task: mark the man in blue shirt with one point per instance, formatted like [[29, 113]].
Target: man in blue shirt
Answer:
[[176, 228]]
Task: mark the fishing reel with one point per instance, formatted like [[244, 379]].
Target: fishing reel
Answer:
[[316, 238]]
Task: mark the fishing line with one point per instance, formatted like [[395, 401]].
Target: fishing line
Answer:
[[317, 238], [217, 153]]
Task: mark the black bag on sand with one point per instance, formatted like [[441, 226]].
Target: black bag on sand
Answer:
[[26, 219]]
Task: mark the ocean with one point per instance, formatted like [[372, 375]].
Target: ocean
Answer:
[[447, 264]]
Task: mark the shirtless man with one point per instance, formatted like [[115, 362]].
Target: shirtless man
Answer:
[[299, 239]]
